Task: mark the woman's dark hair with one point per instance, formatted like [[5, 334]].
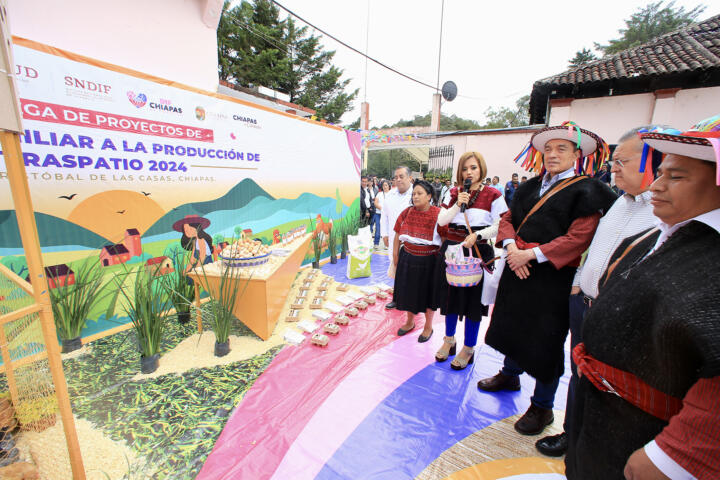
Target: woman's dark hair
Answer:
[[382, 184], [425, 185], [187, 242]]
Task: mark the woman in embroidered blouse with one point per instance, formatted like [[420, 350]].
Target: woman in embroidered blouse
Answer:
[[416, 245], [484, 207]]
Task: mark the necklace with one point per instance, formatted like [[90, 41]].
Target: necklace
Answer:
[[473, 197]]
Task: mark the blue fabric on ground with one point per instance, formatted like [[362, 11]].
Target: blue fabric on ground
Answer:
[[378, 265], [428, 414]]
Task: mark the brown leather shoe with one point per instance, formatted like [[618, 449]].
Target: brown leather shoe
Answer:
[[535, 420], [499, 383]]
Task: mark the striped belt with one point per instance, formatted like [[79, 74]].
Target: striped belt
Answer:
[[625, 385], [420, 250], [457, 233]]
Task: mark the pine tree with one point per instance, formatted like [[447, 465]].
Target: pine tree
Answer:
[[257, 48], [581, 58], [650, 22]]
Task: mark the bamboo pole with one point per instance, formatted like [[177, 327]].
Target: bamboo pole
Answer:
[[31, 244]]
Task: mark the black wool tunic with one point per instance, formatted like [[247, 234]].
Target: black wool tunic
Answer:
[[659, 319], [530, 318]]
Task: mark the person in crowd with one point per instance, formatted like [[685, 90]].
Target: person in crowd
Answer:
[[415, 249], [484, 205], [379, 201], [394, 203], [510, 188], [523, 179], [496, 184], [376, 185], [445, 192], [647, 405], [367, 208], [437, 188], [550, 224], [604, 174], [630, 214], [488, 182]]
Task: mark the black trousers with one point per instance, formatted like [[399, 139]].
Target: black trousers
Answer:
[[578, 308]]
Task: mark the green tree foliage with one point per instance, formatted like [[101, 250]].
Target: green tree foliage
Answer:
[[447, 123], [581, 58], [382, 163], [504, 117], [17, 264], [650, 22], [256, 47]]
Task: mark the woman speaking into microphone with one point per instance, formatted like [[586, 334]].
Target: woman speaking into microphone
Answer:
[[482, 209]]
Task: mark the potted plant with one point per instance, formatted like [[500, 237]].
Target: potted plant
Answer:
[[73, 294], [222, 305], [316, 241], [181, 291], [332, 243], [343, 235], [147, 305]]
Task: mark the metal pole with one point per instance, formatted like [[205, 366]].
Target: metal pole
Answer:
[[367, 41], [442, 12], [31, 244]]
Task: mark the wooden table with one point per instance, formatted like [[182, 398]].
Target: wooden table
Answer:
[[263, 298]]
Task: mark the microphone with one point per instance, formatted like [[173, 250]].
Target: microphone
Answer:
[[466, 188]]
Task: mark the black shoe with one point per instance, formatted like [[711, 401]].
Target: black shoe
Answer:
[[390, 305], [401, 331], [423, 338], [499, 383], [553, 445], [535, 420]]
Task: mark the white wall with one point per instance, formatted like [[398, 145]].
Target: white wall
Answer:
[[497, 148], [611, 117], [165, 38], [695, 104]]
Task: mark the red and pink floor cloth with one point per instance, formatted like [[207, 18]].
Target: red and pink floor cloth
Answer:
[[369, 405]]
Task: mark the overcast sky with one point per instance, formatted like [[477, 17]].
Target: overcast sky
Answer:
[[493, 51]]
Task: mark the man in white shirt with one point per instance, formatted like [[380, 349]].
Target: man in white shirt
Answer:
[[630, 214], [396, 201]]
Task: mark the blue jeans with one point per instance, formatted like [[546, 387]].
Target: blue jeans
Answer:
[[544, 393], [577, 315], [375, 222], [471, 329]]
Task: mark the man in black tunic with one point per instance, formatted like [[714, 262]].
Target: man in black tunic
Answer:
[[647, 405], [530, 318]]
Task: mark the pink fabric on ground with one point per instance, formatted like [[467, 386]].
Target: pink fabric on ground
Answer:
[[355, 398], [286, 396]]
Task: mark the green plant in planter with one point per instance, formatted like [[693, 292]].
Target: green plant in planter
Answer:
[[147, 305], [181, 291], [316, 243], [332, 243], [219, 311], [72, 302]]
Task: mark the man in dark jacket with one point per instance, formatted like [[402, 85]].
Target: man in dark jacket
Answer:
[[550, 224]]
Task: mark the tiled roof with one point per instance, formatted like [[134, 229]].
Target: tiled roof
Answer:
[[117, 249], [691, 48], [680, 59], [58, 270]]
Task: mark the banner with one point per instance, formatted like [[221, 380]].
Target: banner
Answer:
[[114, 158]]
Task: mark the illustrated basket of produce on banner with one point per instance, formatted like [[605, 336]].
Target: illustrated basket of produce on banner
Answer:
[[467, 273], [245, 253]]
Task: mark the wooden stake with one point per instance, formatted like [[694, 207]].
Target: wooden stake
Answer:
[[31, 244]]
